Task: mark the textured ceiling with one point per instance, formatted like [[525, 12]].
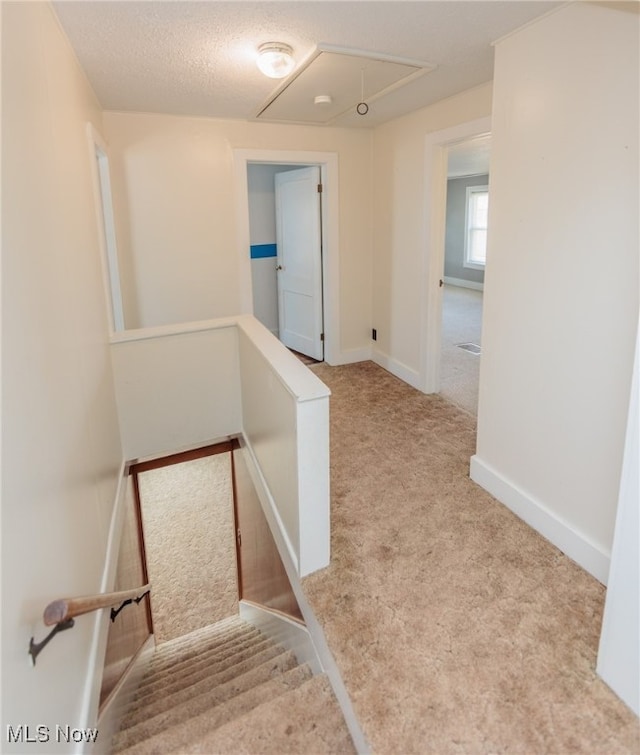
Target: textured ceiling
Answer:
[[198, 58]]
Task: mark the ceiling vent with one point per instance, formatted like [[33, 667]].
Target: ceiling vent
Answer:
[[348, 77]]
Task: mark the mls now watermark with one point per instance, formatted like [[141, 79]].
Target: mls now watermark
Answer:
[[41, 734]]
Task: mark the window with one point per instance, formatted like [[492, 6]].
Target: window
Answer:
[[475, 246]]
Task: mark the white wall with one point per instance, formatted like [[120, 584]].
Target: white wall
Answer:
[[61, 454], [185, 386], [173, 185], [400, 228], [561, 284], [177, 390]]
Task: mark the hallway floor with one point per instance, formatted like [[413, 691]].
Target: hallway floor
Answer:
[[455, 626]]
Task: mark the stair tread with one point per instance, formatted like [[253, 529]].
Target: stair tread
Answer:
[[200, 641], [151, 706], [199, 698], [177, 737], [305, 719], [228, 688], [229, 624], [174, 677]]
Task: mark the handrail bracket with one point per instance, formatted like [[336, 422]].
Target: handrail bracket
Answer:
[[60, 614], [116, 611], [36, 647]]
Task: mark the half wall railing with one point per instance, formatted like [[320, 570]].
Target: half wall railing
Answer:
[[184, 386]]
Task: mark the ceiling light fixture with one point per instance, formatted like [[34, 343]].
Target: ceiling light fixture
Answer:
[[275, 59]]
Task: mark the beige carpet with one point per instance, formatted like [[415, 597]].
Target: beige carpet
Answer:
[[215, 683], [460, 369], [229, 689], [457, 629], [187, 511]]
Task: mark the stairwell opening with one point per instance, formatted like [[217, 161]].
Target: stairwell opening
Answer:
[[189, 534], [218, 684], [206, 540]]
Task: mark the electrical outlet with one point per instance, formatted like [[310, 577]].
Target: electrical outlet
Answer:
[[374, 334]]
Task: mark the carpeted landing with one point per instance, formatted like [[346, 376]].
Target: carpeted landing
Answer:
[[456, 627], [227, 688], [192, 563]]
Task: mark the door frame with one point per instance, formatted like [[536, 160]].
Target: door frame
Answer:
[[437, 145], [103, 203], [328, 163]]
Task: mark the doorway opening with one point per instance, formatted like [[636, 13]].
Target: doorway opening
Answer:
[[461, 347], [285, 227], [284, 161], [467, 140], [464, 262]]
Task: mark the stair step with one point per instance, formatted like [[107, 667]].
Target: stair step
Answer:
[[230, 689], [200, 641], [225, 626], [221, 626], [175, 738], [207, 693], [306, 719], [182, 674]]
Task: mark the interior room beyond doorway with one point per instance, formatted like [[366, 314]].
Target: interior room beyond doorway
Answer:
[[464, 260], [262, 238], [459, 359]]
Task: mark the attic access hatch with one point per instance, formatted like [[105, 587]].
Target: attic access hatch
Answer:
[[346, 76]]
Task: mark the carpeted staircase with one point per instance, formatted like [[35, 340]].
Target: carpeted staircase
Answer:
[[229, 689]]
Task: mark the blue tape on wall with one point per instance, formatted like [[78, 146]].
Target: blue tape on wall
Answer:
[[260, 251]]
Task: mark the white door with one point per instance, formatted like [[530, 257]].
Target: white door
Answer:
[[299, 261]]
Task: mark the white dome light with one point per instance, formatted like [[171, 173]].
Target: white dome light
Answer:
[[275, 60]]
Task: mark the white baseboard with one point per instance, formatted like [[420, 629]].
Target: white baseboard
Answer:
[[332, 671], [283, 630], [572, 543], [351, 356], [397, 368], [118, 702], [95, 663], [462, 283], [316, 633], [108, 719]]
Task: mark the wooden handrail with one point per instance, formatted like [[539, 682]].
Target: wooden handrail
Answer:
[[66, 608]]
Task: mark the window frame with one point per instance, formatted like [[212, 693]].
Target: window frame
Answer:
[[468, 261]]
